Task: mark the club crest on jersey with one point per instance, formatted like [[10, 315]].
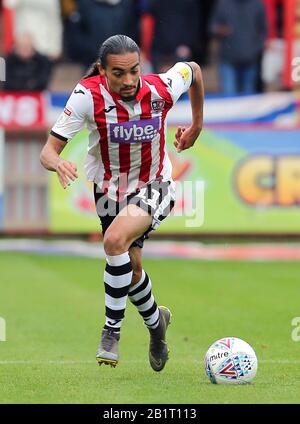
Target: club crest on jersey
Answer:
[[158, 105], [141, 131]]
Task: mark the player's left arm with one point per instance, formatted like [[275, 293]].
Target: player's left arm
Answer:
[[186, 137]]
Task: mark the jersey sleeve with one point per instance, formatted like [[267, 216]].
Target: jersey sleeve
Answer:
[[179, 79], [75, 114]]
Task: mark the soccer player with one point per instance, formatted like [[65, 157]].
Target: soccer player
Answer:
[[128, 163]]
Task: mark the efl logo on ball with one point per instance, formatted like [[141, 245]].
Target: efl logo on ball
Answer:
[[230, 361]]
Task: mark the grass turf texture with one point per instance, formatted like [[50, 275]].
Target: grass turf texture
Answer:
[[53, 307]]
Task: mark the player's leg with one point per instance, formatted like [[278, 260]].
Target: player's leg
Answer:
[[130, 224], [127, 226], [157, 198], [135, 253], [155, 318], [140, 291]]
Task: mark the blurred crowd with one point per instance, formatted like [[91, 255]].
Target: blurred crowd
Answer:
[[51, 32]]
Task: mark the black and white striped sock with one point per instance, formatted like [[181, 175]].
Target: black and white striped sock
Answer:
[[117, 279], [141, 296]]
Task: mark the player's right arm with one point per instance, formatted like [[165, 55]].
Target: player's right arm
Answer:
[[71, 120], [51, 160]]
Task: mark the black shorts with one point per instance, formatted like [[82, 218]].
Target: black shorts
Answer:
[[156, 198]]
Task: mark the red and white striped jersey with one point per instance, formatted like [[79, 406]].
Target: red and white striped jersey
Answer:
[[127, 140]]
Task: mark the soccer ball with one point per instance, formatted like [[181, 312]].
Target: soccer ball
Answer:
[[230, 361]]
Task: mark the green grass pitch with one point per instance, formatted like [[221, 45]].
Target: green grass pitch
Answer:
[[54, 307]]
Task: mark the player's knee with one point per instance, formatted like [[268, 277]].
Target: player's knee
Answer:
[[114, 243]]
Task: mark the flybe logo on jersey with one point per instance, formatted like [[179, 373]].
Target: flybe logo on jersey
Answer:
[[134, 131]]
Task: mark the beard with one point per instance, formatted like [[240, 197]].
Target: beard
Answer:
[[132, 96], [128, 98]]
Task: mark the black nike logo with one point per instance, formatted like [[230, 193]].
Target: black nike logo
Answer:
[[109, 109], [79, 91], [114, 323]]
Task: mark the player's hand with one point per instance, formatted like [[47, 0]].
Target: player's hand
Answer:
[[185, 137], [66, 172]]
